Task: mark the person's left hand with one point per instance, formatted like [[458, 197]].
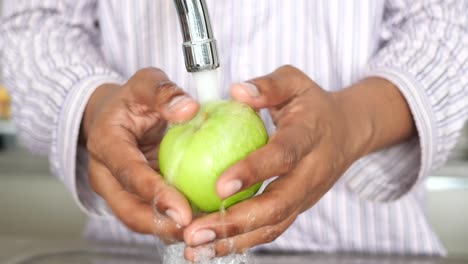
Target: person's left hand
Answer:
[[311, 148]]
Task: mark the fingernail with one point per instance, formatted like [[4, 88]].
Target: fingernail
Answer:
[[232, 187], [251, 89], [174, 215], [178, 103], [203, 236], [203, 253]]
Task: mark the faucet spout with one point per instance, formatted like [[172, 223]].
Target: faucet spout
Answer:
[[199, 46]]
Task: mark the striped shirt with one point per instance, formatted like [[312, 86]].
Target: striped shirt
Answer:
[[56, 53]]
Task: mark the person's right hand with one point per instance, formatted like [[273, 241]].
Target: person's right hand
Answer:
[[122, 128]]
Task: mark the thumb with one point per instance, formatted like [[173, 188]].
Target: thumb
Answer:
[[152, 88], [274, 89]]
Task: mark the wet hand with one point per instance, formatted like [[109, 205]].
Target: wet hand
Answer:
[[122, 128], [309, 151]]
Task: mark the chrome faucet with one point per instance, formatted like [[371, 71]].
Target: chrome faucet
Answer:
[[199, 45]]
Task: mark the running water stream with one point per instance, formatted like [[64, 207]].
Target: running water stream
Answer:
[[207, 85]]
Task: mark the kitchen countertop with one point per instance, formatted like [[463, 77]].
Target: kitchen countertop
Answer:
[[15, 250]]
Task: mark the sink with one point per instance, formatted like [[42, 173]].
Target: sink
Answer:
[[126, 256], [85, 257]]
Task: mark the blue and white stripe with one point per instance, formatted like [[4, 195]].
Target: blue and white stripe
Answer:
[[55, 55]]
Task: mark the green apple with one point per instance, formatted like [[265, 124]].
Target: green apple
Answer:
[[194, 154]]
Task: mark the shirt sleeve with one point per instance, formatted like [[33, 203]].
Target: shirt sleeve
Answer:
[[52, 64], [424, 51]]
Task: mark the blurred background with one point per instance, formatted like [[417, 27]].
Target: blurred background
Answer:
[[34, 204]]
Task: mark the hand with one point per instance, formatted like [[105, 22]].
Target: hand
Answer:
[[309, 151], [319, 135], [122, 128]]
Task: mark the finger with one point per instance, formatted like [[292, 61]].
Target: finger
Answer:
[[152, 87], [284, 197], [149, 146], [151, 155], [233, 241], [272, 90], [288, 195], [240, 243], [137, 177], [132, 211], [241, 218], [154, 134], [150, 152], [283, 152], [119, 153]]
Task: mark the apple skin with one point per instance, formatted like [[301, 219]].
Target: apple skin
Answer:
[[194, 154]]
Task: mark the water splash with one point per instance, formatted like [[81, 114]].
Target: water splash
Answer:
[[174, 254]]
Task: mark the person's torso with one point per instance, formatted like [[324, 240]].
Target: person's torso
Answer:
[[331, 41]]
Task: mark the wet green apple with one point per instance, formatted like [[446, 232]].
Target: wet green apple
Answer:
[[194, 154]]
